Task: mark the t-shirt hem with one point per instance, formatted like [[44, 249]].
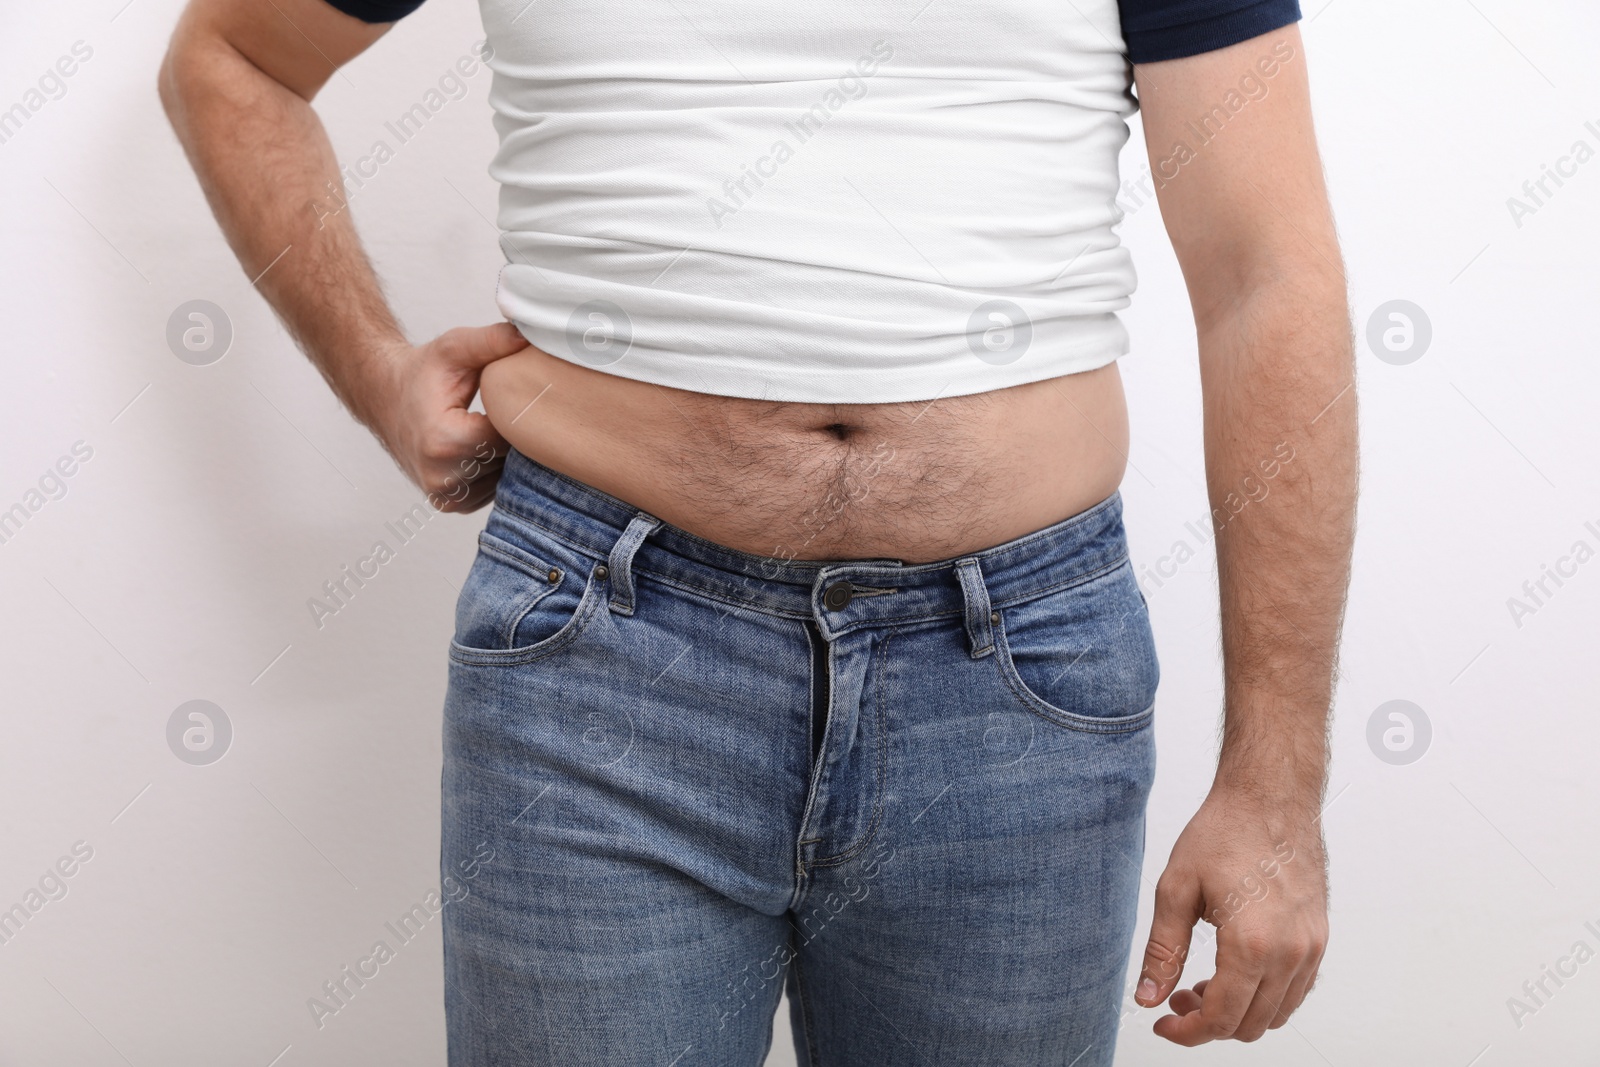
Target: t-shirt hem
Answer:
[[376, 11], [1156, 43], [869, 386]]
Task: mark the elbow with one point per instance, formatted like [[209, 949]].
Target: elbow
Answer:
[[1291, 281], [174, 77], [166, 85], [199, 64]]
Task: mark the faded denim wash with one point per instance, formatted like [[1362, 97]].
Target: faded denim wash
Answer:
[[914, 793]]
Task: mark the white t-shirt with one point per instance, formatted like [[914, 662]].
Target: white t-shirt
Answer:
[[862, 202]]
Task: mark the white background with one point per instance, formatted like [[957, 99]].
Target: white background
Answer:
[[219, 498]]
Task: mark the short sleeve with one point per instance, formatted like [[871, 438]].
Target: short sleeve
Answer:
[[377, 10], [1171, 29]]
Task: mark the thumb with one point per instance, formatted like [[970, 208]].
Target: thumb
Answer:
[[475, 347], [1178, 906]]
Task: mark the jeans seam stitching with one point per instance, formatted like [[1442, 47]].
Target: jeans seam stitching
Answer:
[[477, 657], [883, 765], [521, 566], [1051, 714], [1065, 524], [814, 770], [1077, 580], [1082, 579], [704, 594], [510, 635], [516, 515], [512, 515], [807, 1024], [811, 694], [537, 568]]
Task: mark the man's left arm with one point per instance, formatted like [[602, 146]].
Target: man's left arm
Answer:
[[1241, 191]]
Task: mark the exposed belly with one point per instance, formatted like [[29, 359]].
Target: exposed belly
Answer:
[[916, 481]]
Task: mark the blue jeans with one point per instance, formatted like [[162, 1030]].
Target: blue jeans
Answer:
[[678, 776]]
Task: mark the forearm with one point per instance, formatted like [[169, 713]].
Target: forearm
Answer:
[[270, 175], [1281, 470]]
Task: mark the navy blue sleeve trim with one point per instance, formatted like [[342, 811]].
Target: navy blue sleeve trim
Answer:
[[377, 10], [1171, 29]]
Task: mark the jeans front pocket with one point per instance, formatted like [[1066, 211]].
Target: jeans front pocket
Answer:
[[522, 599], [1082, 656]]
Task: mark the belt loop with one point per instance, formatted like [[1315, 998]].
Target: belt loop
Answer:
[[979, 632], [620, 563]]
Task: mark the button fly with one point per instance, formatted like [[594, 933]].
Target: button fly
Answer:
[[837, 596]]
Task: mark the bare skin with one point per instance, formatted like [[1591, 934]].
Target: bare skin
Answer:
[[1249, 219], [917, 481]]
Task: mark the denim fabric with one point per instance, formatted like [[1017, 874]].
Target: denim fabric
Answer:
[[699, 774]]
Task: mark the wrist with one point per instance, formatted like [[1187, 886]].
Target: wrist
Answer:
[[376, 380], [1278, 794], [1274, 754]]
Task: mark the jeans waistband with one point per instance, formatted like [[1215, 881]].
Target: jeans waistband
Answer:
[[842, 595]]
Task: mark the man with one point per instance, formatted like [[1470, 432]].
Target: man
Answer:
[[802, 646]]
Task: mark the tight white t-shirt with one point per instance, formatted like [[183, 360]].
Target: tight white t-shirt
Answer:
[[863, 202]]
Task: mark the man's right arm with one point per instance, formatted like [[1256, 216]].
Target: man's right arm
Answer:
[[237, 84]]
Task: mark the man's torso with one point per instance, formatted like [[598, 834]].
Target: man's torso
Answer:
[[914, 481]]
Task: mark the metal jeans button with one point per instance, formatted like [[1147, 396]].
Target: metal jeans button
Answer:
[[837, 596]]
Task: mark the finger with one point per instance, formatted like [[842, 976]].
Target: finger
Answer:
[[1185, 1000], [1220, 1012], [458, 493], [469, 437], [1227, 997], [1298, 988], [475, 347], [1291, 1000], [1178, 904], [458, 462], [482, 492], [1264, 1007], [462, 494]]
